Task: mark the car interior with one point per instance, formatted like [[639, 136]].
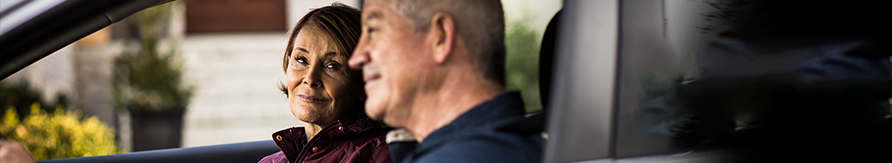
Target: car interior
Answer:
[[621, 81]]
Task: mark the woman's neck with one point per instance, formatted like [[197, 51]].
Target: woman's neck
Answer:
[[311, 130]]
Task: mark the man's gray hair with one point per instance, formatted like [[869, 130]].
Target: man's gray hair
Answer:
[[480, 22]]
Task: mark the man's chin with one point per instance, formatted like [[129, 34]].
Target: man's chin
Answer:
[[374, 113]]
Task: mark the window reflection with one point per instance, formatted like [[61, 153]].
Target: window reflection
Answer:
[[777, 79]]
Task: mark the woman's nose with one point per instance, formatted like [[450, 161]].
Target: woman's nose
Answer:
[[312, 78]]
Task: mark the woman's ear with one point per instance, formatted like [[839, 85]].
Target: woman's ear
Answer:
[[442, 33]]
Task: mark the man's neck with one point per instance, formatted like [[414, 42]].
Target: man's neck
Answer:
[[459, 93]]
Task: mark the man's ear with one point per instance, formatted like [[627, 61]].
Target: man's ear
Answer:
[[442, 35]]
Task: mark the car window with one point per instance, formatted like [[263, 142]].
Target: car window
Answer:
[[727, 74]]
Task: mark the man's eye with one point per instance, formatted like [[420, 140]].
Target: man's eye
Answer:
[[371, 29], [301, 60], [334, 66]]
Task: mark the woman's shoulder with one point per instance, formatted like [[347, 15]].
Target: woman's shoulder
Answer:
[[364, 126], [371, 144], [364, 141], [361, 135], [278, 157], [366, 129]]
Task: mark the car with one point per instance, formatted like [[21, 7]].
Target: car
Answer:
[[611, 75]]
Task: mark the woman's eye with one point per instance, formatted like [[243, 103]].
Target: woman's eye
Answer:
[[334, 66], [301, 60], [371, 29]]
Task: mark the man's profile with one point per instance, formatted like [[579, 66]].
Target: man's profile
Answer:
[[436, 69]]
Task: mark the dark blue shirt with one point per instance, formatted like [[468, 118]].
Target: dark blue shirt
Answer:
[[473, 137]]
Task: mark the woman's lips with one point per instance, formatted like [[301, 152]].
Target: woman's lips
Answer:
[[310, 99]]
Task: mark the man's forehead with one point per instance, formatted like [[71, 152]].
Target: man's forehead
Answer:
[[375, 3], [375, 9]]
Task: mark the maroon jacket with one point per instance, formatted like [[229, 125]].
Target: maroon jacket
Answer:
[[362, 141]]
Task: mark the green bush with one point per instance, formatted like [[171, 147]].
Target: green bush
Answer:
[[146, 76], [522, 62], [21, 95], [61, 134]]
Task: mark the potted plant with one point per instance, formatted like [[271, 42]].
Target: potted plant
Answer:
[[148, 83]]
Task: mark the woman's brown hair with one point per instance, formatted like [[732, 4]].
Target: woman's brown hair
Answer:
[[340, 21]]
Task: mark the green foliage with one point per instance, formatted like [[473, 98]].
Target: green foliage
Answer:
[[148, 78], [522, 61], [21, 95], [61, 134]]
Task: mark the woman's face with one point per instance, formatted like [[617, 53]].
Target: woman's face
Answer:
[[319, 83]]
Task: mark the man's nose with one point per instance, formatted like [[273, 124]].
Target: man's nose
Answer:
[[360, 57]]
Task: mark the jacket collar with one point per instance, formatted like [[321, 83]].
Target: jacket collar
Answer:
[[289, 139]]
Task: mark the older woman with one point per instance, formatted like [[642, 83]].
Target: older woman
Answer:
[[327, 95]]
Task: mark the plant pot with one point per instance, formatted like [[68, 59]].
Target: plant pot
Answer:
[[156, 128]]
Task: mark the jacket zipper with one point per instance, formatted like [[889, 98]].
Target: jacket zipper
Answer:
[[304, 151]]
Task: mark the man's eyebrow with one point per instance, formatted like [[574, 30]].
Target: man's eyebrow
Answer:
[[373, 15], [303, 50]]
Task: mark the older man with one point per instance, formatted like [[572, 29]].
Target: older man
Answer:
[[436, 69]]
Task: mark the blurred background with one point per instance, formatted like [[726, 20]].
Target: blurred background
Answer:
[[193, 73]]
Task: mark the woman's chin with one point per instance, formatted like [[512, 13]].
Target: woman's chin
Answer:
[[307, 119], [301, 114]]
